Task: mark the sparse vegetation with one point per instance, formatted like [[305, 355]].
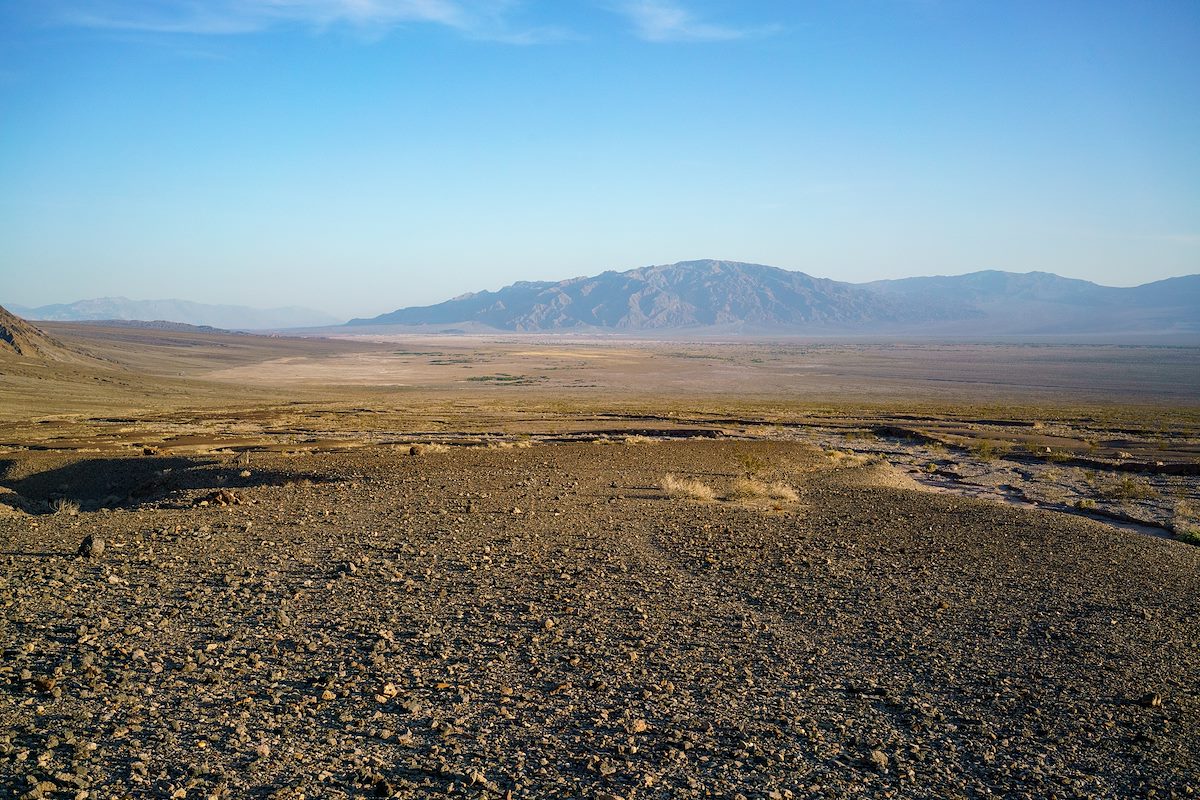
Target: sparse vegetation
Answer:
[[685, 488], [509, 444], [1186, 522], [505, 379], [639, 439], [65, 507], [846, 458], [989, 449], [446, 564], [423, 449], [753, 464], [1127, 487], [749, 488]]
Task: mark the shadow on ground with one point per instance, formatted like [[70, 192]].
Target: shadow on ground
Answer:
[[94, 483]]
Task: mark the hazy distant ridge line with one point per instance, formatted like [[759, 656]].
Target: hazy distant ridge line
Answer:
[[755, 298], [178, 311]]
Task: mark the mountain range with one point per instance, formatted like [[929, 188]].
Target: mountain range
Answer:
[[183, 311], [729, 297], [734, 297]]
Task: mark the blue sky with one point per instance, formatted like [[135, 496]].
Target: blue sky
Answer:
[[361, 155]]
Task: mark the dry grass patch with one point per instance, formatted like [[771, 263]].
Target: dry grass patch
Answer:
[[685, 488], [751, 489], [846, 458], [1126, 487], [65, 507], [989, 449], [1186, 523], [422, 449], [637, 438], [753, 464], [519, 444]]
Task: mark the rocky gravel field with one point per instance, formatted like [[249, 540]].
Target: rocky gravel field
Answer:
[[548, 622]]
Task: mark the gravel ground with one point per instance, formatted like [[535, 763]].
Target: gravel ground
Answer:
[[545, 622]]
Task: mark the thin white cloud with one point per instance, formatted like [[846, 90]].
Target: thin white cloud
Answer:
[[476, 19], [668, 21]]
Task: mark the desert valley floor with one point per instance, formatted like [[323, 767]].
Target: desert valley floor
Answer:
[[240, 566]]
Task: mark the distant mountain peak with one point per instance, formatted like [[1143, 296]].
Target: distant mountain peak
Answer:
[[180, 311], [737, 297]]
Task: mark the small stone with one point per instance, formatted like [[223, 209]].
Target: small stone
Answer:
[[878, 760], [1150, 700], [92, 546], [263, 750], [639, 726], [386, 692]]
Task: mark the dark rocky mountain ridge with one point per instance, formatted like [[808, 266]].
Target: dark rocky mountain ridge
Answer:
[[754, 298]]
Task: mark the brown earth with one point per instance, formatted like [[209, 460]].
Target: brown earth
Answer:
[[280, 599]]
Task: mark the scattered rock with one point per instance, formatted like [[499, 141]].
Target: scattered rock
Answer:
[[92, 546], [221, 497]]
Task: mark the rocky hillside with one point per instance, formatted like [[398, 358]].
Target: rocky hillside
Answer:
[[19, 338], [753, 298]]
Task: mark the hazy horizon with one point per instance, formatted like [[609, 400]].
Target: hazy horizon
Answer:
[[10, 304], [359, 157]]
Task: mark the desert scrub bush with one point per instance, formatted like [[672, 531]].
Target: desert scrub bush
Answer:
[[1126, 487], [1186, 522], [685, 488], [988, 449], [1189, 535], [506, 444], [65, 507], [749, 488], [753, 464], [846, 458], [423, 449], [638, 438]]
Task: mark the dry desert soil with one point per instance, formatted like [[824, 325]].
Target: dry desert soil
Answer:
[[238, 566]]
